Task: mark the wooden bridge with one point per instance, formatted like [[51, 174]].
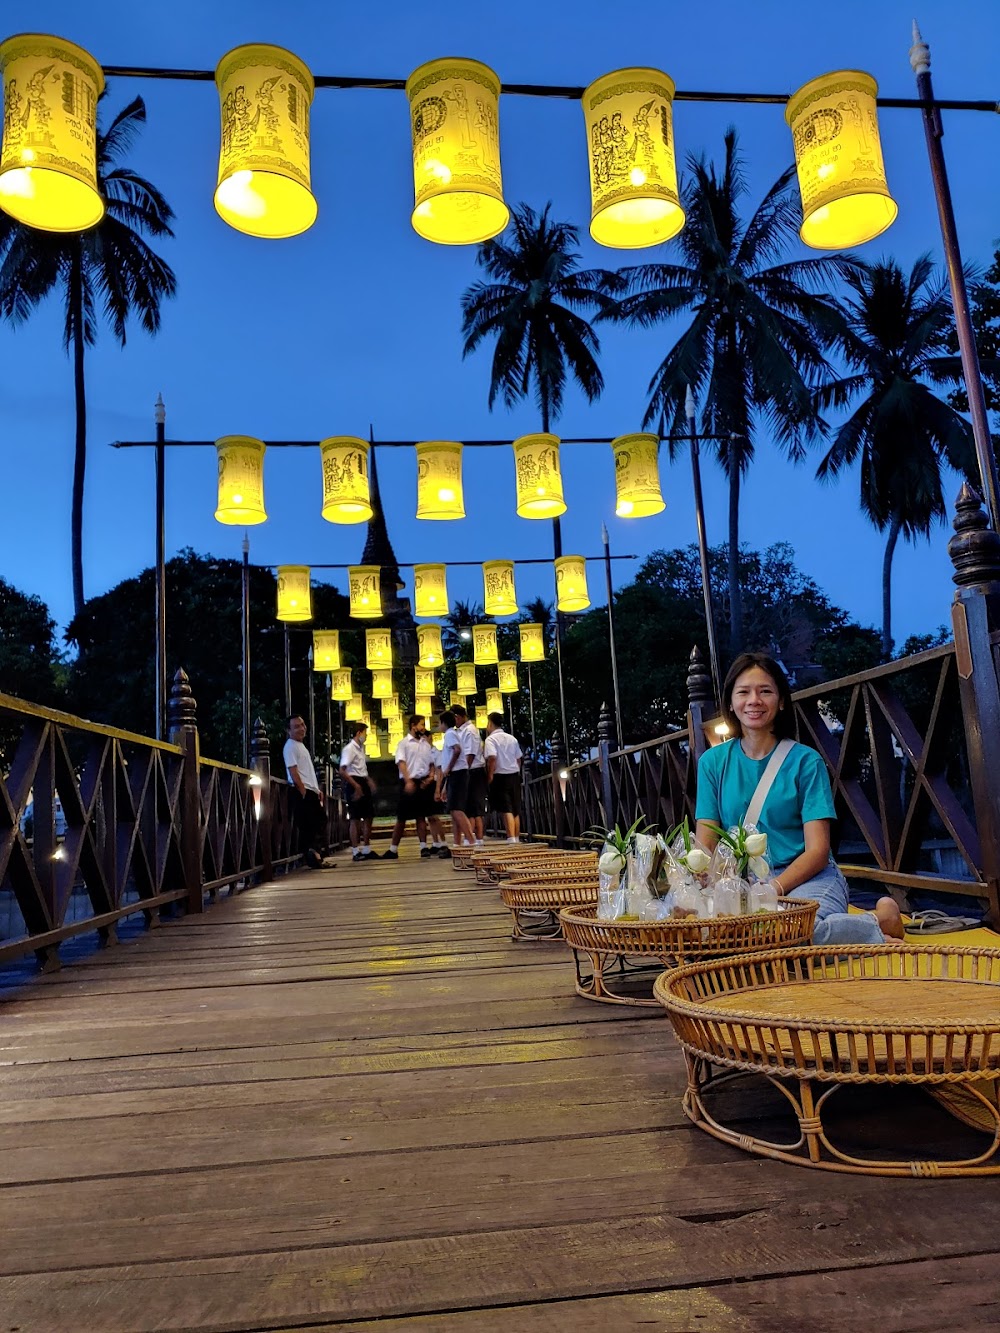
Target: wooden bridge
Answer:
[[346, 1100]]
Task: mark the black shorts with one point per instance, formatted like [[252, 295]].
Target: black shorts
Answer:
[[475, 804], [359, 807], [458, 790], [505, 793], [415, 804]]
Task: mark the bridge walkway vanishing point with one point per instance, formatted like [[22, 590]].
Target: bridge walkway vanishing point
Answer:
[[346, 1100]]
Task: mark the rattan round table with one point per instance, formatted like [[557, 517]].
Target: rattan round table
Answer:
[[535, 905], [612, 956], [814, 1020]]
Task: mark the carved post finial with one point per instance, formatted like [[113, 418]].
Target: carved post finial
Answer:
[[259, 743], [182, 707], [920, 53], [558, 750], [606, 730], [975, 547], [699, 679]]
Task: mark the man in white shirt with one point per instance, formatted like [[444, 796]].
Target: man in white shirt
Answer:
[[307, 800], [416, 761], [453, 777], [358, 788], [472, 748], [503, 771]]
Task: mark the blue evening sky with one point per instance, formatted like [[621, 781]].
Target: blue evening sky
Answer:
[[357, 321]]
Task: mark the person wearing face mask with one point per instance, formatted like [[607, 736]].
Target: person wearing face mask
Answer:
[[764, 772], [415, 759]]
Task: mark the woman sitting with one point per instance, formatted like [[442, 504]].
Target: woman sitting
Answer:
[[798, 806]]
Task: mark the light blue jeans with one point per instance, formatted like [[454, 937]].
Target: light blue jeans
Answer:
[[834, 924]]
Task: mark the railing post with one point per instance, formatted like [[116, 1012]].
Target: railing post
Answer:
[[260, 761], [975, 612], [701, 701], [182, 716], [558, 808], [606, 733]]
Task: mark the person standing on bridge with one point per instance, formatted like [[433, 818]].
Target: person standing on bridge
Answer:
[[416, 761], [308, 801], [358, 792], [503, 772]]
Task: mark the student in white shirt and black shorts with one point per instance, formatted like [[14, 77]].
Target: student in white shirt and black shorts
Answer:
[[472, 746], [503, 768], [358, 791], [453, 779], [417, 764]]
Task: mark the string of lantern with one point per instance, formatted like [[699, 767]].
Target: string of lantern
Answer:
[[48, 176]]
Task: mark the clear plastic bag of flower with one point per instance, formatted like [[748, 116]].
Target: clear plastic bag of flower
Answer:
[[639, 864], [741, 851], [611, 891], [685, 851]]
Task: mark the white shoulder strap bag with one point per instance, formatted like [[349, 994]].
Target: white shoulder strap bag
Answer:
[[778, 756]]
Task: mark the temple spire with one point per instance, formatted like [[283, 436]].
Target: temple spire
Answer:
[[378, 550]]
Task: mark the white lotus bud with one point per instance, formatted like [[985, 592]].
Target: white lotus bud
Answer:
[[611, 863], [697, 860], [756, 844], [759, 867]]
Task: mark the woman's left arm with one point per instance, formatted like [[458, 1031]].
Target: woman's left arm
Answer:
[[816, 833]]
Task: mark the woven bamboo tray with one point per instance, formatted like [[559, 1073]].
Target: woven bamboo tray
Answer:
[[812, 1020], [543, 896], [570, 867], [497, 865], [603, 950]]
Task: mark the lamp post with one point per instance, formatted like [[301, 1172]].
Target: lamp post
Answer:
[[245, 633], [611, 637], [160, 420], [699, 510]]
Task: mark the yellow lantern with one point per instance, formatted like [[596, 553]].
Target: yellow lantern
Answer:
[[484, 645], [382, 684], [482, 715], [429, 645], [264, 184], [456, 700], [439, 480], [241, 480], [354, 709], [294, 600], [341, 685], [423, 704], [571, 583], [532, 643], [48, 160], [326, 649], [437, 740], [430, 590], [465, 677], [366, 596], [838, 156], [390, 707], [494, 701], [454, 114], [507, 677], [366, 718], [539, 481], [637, 476], [423, 680], [633, 172], [498, 587], [346, 493], [378, 648]]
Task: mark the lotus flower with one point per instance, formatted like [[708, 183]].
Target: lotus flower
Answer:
[[611, 863], [756, 844], [697, 860]]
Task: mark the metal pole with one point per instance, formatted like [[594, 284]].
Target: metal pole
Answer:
[[920, 62], [160, 418], [245, 629], [557, 552], [699, 510], [288, 673], [611, 637], [312, 701], [531, 715], [329, 737]]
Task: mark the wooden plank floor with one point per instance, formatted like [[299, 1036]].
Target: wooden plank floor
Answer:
[[346, 1100]]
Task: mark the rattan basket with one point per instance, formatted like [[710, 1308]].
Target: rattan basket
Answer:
[[544, 896]]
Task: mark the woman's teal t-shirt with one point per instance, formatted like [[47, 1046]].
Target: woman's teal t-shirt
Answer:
[[727, 780]]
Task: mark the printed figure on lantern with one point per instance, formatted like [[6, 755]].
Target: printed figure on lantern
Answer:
[[486, 122], [12, 117], [457, 95], [643, 150], [38, 108], [265, 123], [619, 146], [236, 127]]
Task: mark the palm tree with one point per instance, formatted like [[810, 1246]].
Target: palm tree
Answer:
[[110, 267], [901, 431], [754, 349], [456, 631]]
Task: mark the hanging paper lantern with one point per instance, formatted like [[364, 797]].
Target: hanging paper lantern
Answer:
[[465, 677], [341, 685], [838, 156], [241, 480], [539, 481], [390, 706], [424, 681], [378, 648], [48, 160], [494, 701], [346, 493], [532, 642], [430, 590], [482, 715], [498, 587], [366, 596], [326, 649], [507, 677], [264, 183], [633, 172], [437, 740], [484, 645], [354, 709], [637, 476], [294, 601], [571, 583], [382, 683], [439, 480], [429, 645], [454, 113], [456, 700], [366, 718], [424, 705]]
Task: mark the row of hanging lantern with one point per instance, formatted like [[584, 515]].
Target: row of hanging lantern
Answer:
[[48, 171], [430, 587], [440, 495], [379, 659]]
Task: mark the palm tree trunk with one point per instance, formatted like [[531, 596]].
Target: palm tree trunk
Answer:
[[735, 594], [890, 550], [80, 451]]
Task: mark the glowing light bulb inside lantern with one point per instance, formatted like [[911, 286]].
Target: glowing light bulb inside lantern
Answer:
[[637, 176], [825, 171], [240, 196], [625, 507]]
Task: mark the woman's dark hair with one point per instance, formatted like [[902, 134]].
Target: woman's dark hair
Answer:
[[784, 723]]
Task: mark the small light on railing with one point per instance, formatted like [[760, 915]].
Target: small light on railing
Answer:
[[59, 854], [255, 782], [564, 775]]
